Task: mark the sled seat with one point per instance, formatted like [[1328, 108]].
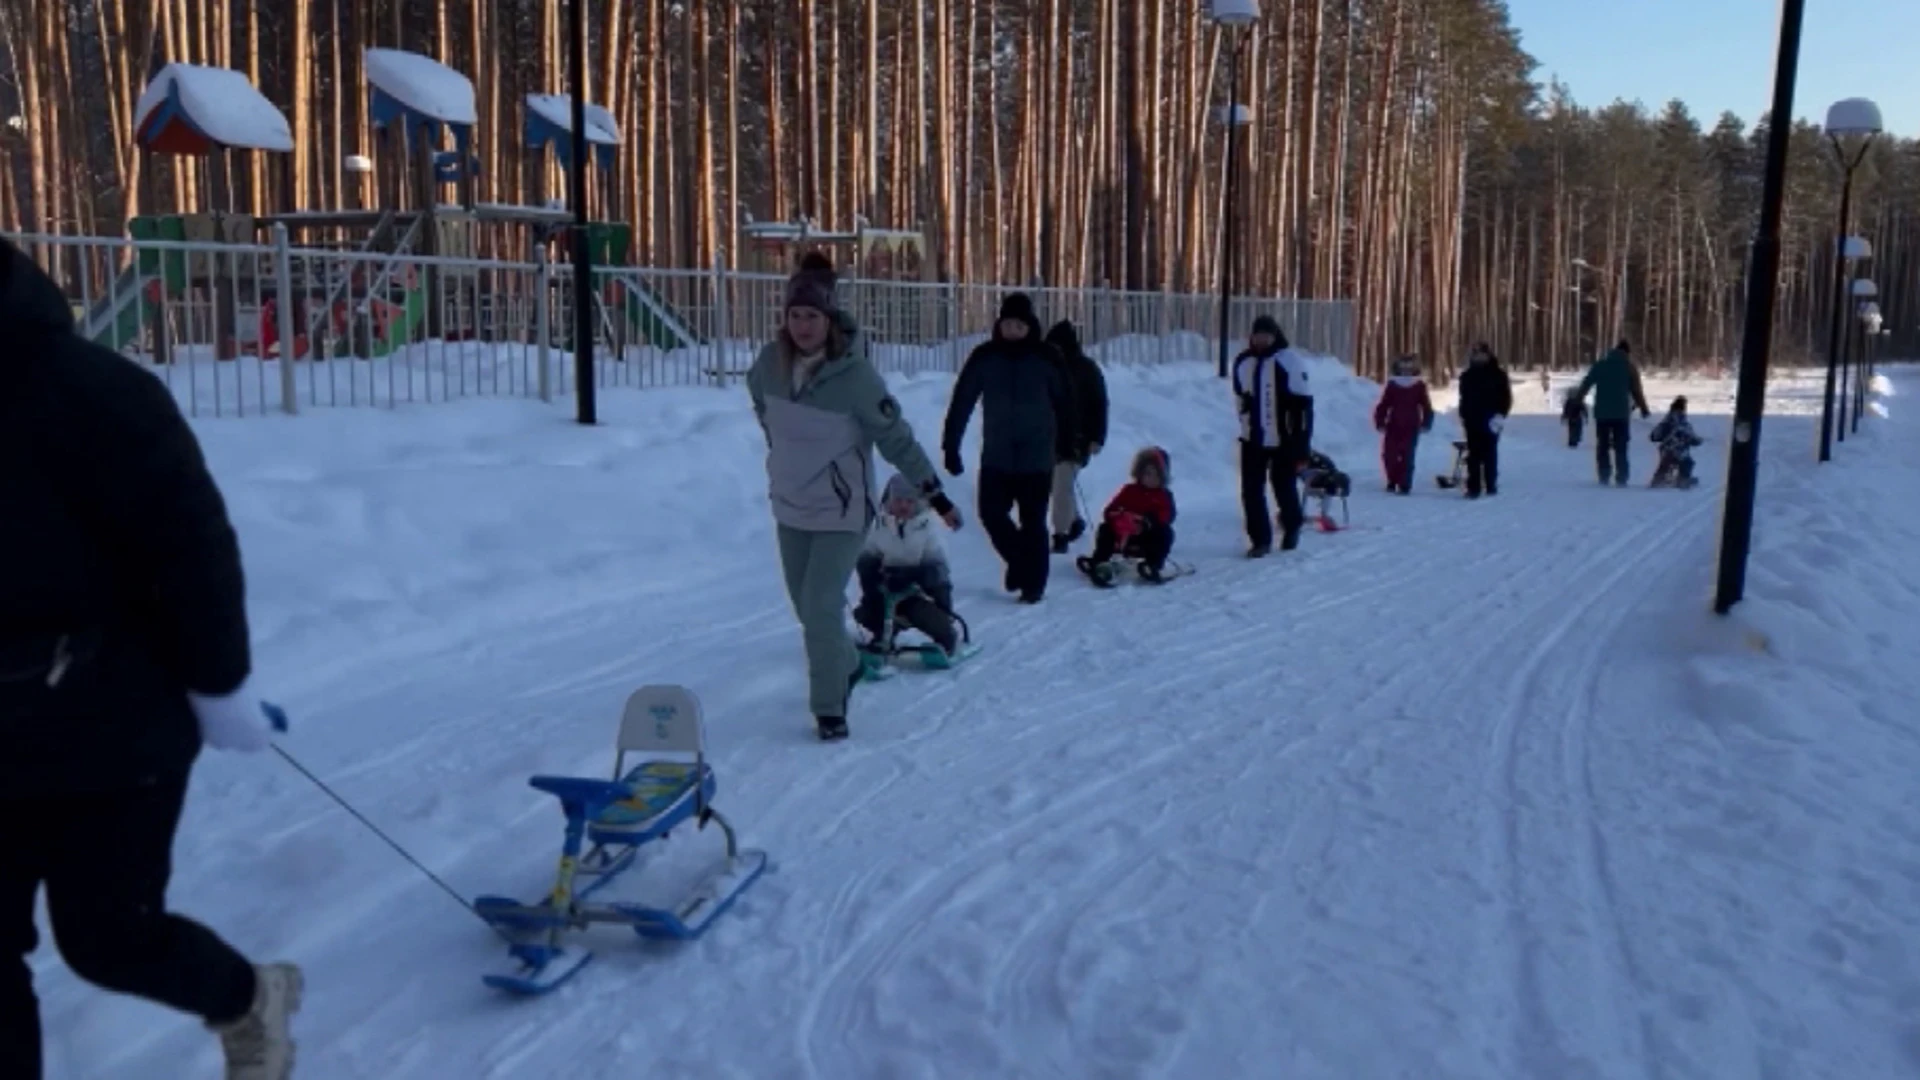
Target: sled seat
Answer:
[[659, 795]]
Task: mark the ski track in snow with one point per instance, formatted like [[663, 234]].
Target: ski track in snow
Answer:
[[1327, 815]]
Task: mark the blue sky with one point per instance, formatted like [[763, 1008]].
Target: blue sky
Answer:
[[1719, 54]]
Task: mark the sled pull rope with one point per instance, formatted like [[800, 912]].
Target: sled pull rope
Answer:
[[382, 834]]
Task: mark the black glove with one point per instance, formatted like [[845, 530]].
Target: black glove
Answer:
[[944, 507], [955, 467], [1646, 414]]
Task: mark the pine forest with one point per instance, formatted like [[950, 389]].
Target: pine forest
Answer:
[[1403, 154]]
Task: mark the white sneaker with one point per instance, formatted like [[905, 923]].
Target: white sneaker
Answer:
[[259, 1045]]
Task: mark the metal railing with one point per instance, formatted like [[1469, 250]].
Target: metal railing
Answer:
[[238, 329]]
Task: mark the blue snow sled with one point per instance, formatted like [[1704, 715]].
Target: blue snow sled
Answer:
[[617, 816]]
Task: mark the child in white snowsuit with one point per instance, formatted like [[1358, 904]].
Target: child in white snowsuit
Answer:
[[1677, 439], [904, 558]]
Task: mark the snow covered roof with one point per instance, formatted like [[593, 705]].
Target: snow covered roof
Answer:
[[550, 123], [408, 84], [190, 109]]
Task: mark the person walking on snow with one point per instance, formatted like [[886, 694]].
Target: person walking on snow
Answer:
[[1089, 390], [1403, 412], [1486, 398], [824, 409], [1275, 402], [1015, 379], [1573, 413], [124, 648], [1615, 383]]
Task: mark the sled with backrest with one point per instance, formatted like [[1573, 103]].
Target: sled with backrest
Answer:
[[1459, 474], [881, 654], [1326, 485], [668, 783]]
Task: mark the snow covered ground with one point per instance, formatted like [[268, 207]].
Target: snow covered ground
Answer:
[[1475, 790]]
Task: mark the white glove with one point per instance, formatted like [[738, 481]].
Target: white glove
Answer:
[[237, 721], [1494, 425]]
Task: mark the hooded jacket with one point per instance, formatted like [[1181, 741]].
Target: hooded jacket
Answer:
[[1274, 396], [1018, 385], [1615, 383], [121, 587], [1089, 389], [1486, 391], [1405, 409]]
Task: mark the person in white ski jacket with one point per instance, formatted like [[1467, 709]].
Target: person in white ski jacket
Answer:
[[905, 559], [1275, 399]]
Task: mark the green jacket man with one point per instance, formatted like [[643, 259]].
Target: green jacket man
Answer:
[[1615, 383]]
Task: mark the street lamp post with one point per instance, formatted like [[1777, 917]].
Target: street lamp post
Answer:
[[1763, 273], [1230, 15], [1863, 290], [1863, 371], [1855, 121], [583, 388]]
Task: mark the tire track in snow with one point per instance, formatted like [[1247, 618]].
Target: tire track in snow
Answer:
[[1533, 690]]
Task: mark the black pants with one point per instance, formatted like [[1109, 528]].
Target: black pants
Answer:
[[1025, 547], [1483, 460], [105, 861], [1610, 449], [1151, 545], [1262, 468]]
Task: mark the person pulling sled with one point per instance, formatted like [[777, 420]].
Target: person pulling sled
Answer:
[[905, 586], [1137, 526], [1676, 437]]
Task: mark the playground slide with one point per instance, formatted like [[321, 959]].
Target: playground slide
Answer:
[[115, 319], [402, 325], [657, 323]]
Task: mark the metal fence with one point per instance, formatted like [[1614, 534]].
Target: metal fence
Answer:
[[239, 328]]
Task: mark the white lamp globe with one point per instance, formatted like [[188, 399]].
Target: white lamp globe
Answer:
[[358, 163], [1240, 13], [1856, 247], [1865, 289], [1854, 116]]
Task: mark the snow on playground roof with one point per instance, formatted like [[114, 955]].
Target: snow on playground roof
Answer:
[[550, 122], [190, 109], [422, 86]]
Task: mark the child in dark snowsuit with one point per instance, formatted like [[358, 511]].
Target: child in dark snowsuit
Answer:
[[1138, 522], [1676, 438], [902, 555], [1573, 413], [1404, 411]]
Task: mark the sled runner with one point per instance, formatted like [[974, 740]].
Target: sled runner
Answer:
[[662, 726], [1107, 574], [880, 656], [1459, 474], [1326, 484]]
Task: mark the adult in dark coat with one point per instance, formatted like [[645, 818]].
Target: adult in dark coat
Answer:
[[123, 645], [1015, 379], [1486, 397], [1617, 392], [1273, 394], [1089, 389]]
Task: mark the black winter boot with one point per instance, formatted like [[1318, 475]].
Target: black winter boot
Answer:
[[1062, 543]]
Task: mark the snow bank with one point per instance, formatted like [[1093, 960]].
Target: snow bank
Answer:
[[221, 103]]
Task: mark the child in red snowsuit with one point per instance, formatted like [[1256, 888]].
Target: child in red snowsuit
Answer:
[[1403, 413], [1138, 523]]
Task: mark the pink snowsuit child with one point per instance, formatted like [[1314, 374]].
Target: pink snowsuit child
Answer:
[[1403, 413]]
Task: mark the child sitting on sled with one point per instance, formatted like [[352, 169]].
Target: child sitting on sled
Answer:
[[1573, 413], [1138, 522], [1676, 438], [903, 559], [1321, 479]]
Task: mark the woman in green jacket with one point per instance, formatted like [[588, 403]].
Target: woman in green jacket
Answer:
[[824, 409]]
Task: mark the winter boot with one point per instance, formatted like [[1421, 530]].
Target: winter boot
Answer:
[[1259, 551], [1062, 544], [259, 1045], [1290, 540], [831, 728], [1078, 530]]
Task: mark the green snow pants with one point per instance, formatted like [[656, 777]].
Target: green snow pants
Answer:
[[818, 566]]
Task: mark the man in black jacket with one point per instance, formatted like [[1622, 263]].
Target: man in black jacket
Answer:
[[123, 644], [1089, 389], [1486, 397], [1028, 409], [1274, 395]]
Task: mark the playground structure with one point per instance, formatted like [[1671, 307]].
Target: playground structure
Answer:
[[189, 110]]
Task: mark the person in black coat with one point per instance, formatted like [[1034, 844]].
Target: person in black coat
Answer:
[[123, 646], [1015, 379], [1486, 398], [1089, 389], [1273, 394]]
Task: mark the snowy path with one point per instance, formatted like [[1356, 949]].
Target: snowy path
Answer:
[[1343, 813]]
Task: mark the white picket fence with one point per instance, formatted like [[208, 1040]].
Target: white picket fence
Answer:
[[374, 329]]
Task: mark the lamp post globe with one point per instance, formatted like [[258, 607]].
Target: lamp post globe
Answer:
[[1239, 13], [1865, 289], [1852, 125], [1853, 117]]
